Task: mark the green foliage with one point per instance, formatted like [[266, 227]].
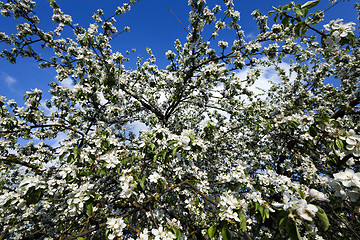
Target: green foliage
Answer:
[[323, 218]]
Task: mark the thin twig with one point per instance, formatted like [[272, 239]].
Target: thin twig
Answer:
[[247, 235], [13, 159], [346, 224], [207, 198], [308, 25], [153, 218], [179, 21], [3, 234], [43, 126]]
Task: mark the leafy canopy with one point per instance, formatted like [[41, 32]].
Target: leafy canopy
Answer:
[[217, 159]]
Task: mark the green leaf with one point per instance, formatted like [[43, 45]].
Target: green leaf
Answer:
[[300, 29], [174, 152], [242, 221], [304, 12], [142, 181], [276, 17], [339, 144], [212, 231], [300, 11], [344, 41], [7, 204], [226, 233], [351, 37], [323, 218], [261, 210], [282, 224], [297, 29], [71, 159], [172, 142], [89, 209], [301, 193], [105, 144], [257, 205], [163, 154], [192, 138], [285, 21], [287, 7], [266, 214], [80, 238], [256, 13], [310, 4], [177, 233], [296, 8], [332, 146], [33, 195], [312, 131], [303, 31], [272, 12], [293, 230], [76, 152]]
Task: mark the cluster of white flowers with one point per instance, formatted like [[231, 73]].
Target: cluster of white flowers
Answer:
[[170, 54], [127, 186], [301, 206], [347, 184], [60, 17], [154, 177], [338, 30], [123, 9], [111, 159], [230, 207], [30, 182], [76, 202], [223, 44], [116, 226], [93, 29], [160, 234], [352, 142]]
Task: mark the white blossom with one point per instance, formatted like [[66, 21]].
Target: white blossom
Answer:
[[348, 178], [305, 210], [318, 195]]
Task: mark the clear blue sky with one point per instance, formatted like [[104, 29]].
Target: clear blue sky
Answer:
[[152, 25]]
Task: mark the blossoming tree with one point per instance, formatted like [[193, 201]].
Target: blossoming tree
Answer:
[[215, 160]]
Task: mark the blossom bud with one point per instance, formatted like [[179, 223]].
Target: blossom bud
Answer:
[[318, 195]]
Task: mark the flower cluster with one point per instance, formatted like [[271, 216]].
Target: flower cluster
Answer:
[[116, 226], [338, 30], [347, 184], [352, 142], [302, 208]]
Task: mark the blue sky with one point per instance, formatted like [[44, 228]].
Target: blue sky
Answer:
[[152, 25]]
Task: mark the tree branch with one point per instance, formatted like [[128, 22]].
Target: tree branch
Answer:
[[13, 159], [353, 103]]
